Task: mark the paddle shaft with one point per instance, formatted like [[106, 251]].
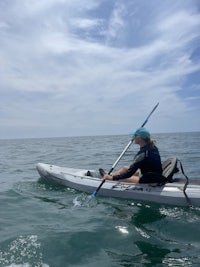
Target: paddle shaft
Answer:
[[114, 165], [123, 152]]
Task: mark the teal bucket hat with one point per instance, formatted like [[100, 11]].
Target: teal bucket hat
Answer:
[[142, 132]]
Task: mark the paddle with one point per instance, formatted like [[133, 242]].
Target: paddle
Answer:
[[123, 152]]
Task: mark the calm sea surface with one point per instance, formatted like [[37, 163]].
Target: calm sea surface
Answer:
[[40, 225]]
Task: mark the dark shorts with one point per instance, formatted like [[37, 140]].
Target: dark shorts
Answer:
[[152, 177]]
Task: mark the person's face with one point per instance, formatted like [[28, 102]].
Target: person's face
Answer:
[[137, 139]]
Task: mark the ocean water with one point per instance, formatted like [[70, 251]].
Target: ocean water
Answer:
[[41, 224]]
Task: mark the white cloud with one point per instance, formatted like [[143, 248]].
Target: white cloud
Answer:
[[68, 62], [116, 22]]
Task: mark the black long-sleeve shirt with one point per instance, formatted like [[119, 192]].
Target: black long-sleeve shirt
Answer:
[[147, 160]]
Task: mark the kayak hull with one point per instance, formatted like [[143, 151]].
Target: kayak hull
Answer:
[[170, 193]]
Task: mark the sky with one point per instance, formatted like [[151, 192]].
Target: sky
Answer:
[[98, 67]]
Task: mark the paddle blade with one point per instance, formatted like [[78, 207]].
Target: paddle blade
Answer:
[[93, 195]]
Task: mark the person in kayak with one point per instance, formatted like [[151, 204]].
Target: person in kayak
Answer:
[[146, 166]]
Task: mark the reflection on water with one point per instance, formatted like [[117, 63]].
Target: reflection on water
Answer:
[[150, 253], [24, 249]]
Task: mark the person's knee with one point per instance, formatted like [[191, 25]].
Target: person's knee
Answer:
[[125, 168], [134, 179]]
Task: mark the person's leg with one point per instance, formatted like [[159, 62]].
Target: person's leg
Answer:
[[133, 179], [120, 171]]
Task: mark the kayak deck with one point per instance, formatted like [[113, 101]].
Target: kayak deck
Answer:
[[170, 193]]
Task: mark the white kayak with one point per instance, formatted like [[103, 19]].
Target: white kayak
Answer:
[[177, 192]]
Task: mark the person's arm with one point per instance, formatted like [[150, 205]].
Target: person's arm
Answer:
[[132, 169]]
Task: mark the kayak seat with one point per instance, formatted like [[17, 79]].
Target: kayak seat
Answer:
[[169, 168]]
